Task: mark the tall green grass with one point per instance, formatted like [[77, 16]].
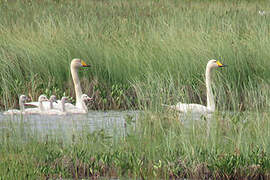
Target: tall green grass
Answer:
[[157, 147], [141, 52]]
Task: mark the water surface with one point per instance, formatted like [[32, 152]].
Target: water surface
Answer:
[[111, 122]]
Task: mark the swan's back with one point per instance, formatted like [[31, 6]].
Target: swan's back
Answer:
[[67, 105], [194, 108]]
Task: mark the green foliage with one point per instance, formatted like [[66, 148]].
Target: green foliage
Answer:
[[143, 54], [157, 145], [136, 45]]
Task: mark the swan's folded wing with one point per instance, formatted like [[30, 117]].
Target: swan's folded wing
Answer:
[[67, 105], [70, 106], [193, 108]]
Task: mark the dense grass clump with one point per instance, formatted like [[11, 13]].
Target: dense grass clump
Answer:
[[155, 146], [142, 52]]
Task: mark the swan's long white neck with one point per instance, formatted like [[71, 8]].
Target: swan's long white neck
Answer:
[[51, 104], [77, 86], [63, 107], [84, 107], [40, 105], [209, 92], [21, 103]]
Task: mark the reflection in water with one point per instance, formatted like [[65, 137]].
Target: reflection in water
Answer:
[[65, 126]]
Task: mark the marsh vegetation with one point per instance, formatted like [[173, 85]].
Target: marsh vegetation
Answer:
[[156, 50], [143, 54], [156, 145]]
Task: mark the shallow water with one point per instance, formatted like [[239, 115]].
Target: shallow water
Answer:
[[111, 122]]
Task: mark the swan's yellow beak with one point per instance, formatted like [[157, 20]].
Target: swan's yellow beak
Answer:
[[84, 64], [220, 64]]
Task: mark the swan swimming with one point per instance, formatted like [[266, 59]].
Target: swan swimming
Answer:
[[74, 66], [51, 104], [53, 101], [61, 111], [198, 108], [22, 100], [42, 98], [84, 100]]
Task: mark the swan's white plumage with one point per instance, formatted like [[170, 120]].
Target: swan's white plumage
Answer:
[[58, 111], [22, 100], [74, 66], [63, 110], [45, 107], [198, 108], [51, 104], [41, 99], [83, 110], [67, 105]]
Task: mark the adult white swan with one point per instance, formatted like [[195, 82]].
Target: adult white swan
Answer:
[[22, 100], [198, 108], [74, 66]]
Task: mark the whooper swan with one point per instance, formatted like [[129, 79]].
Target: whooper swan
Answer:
[[51, 104], [198, 108], [61, 111], [74, 66], [42, 98], [85, 99], [22, 100]]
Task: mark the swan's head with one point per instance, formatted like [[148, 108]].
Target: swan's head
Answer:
[[42, 98], [86, 98], [23, 98], [53, 98], [215, 64], [77, 63]]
